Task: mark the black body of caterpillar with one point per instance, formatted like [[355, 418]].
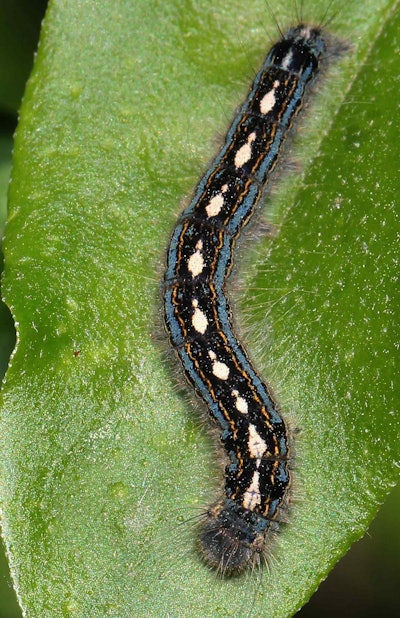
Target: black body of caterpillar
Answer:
[[236, 528]]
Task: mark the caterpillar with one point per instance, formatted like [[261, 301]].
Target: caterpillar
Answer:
[[237, 528]]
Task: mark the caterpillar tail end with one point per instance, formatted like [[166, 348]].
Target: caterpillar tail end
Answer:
[[232, 538]]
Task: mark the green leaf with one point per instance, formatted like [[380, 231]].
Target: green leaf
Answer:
[[102, 461], [8, 607]]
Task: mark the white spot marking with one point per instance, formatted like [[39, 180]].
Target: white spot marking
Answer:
[[216, 203], [286, 61], [220, 370], [244, 153], [196, 260], [268, 101], [257, 445], [252, 497], [199, 319], [241, 403]]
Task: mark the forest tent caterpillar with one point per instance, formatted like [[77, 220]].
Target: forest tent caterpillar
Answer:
[[236, 528]]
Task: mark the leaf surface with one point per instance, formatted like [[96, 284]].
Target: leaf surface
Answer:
[[102, 461]]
